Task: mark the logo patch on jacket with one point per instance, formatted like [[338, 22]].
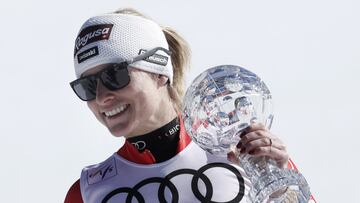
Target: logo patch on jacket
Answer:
[[104, 171]]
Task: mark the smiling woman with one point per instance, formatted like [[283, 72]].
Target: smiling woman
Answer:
[[130, 72]]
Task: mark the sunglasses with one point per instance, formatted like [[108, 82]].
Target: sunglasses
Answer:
[[114, 77]]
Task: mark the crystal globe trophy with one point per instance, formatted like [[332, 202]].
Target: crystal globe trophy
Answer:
[[219, 104]]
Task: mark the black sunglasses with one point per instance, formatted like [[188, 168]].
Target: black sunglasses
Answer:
[[114, 77]]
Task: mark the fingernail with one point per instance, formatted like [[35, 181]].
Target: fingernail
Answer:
[[242, 133], [245, 131]]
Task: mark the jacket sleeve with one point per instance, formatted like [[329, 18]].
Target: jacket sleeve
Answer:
[[74, 194], [291, 165]]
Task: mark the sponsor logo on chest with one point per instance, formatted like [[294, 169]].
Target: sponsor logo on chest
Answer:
[[105, 171]]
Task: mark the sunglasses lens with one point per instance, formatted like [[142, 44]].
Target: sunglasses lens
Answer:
[[85, 88], [116, 78]]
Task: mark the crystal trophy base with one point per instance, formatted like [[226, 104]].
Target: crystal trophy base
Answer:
[[268, 180]]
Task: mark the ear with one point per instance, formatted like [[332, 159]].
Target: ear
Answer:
[[163, 80]]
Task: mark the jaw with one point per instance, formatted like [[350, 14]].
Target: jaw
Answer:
[[119, 123]]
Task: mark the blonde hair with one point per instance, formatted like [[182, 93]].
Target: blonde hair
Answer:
[[180, 58]]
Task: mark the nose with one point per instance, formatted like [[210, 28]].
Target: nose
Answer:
[[103, 94]]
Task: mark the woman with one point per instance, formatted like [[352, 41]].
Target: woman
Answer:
[[130, 73]]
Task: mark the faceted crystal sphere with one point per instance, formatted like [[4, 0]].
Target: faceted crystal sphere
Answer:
[[223, 101]]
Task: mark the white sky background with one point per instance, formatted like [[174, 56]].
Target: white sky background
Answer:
[[306, 51]]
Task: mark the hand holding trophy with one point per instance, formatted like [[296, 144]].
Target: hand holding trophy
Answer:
[[222, 102]]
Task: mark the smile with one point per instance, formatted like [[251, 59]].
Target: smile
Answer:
[[116, 110]]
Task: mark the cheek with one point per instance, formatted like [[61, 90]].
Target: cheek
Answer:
[[148, 96], [147, 99], [145, 94], [142, 101], [93, 107], [141, 89]]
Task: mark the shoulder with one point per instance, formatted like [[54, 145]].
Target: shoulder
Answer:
[[92, 172], [74, 194], [98, 172]]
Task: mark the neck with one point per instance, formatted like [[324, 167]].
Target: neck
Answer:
[[162, 142]]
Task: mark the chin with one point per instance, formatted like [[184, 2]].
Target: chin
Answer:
[[119, 131]]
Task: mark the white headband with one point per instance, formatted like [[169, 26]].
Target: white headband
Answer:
[[113, 38]]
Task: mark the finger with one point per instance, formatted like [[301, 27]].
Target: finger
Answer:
[[252, 127], [254, 135], [281, 157], [233, 158], [261, 134], [267, 140], [256, 143]]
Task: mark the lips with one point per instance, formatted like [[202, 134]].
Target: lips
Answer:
[[116, 110]]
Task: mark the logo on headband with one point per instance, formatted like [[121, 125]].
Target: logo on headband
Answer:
[[156, 58], [88, 53], [92, 34]]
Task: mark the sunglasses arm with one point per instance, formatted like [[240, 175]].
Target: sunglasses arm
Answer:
[[149, 53]]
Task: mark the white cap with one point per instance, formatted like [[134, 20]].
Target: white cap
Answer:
[[114, 38]]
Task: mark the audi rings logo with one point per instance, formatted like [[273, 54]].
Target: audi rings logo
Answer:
[[140, 145], [166, 183]]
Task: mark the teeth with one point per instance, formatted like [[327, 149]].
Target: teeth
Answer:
[[116, 110]]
